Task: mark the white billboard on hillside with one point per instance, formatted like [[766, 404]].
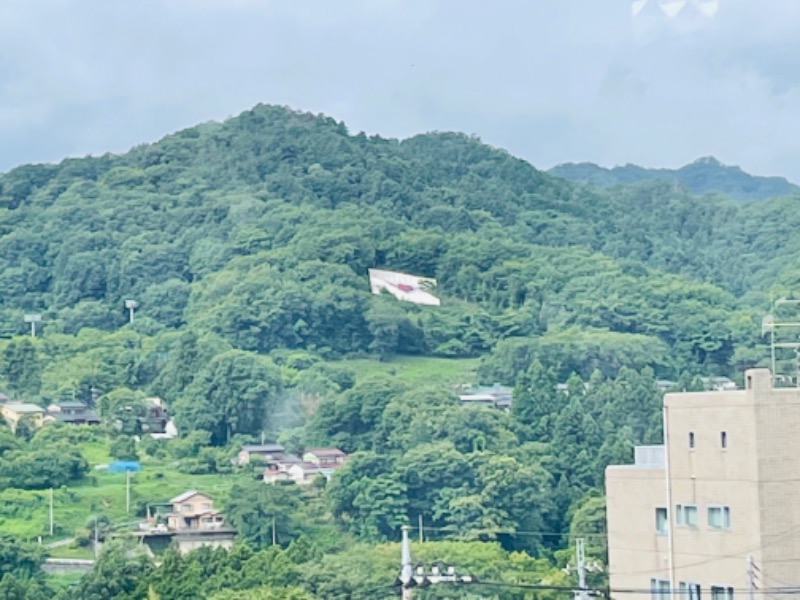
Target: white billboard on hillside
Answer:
[[402, 286]]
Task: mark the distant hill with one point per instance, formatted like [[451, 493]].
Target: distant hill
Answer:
[[703, 176]]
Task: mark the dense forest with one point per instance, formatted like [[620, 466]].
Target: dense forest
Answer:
[[246, 245], [704, 176]]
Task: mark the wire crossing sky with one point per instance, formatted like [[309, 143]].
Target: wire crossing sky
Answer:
[[653, 82]]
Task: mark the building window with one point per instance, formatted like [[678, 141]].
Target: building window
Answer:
[[661, 521], [691, 440], [719, 517], [719, 592], [659, 589], [686, 515], [186, 507], [689, 590], [723, 439]]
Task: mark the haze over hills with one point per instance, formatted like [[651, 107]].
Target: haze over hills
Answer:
[[703, 176]]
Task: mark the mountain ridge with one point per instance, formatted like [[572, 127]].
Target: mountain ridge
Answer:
[[703, 176]]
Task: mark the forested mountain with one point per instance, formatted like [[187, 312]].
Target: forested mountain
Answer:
[[260, 230], [704, 176], [246, 245]]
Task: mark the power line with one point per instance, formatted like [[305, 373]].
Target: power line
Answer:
[[524, 532], [740, 554], [791, 590]]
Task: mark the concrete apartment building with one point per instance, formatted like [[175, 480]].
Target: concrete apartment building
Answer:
[[717, 507]]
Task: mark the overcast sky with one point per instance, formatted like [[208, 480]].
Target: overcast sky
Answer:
[[550, 80]]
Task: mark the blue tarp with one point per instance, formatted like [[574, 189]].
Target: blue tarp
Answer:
[[120, 466]]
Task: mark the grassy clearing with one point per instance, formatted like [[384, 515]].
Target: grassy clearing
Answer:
[[419, 369], [71, 551], [96, 452], [63, 580]]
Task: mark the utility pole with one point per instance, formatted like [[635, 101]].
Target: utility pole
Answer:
[[274, 537], [751, 578], [127, 491], [580, 563], [421, 538], [409, 577], [51, 512], [95, 537], [406, 573]]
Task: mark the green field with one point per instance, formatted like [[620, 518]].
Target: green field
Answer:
[[60, 581], [418, 369]]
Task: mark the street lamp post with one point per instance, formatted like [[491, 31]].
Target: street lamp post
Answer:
[[33, 319], [131, 305]]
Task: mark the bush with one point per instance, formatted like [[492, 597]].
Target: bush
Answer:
[[124, 448], [40, 469]]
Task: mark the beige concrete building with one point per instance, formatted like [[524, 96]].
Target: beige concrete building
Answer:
[[721, 494]]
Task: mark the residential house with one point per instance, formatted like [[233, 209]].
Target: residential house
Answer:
[[665, 384], [305, 473], [718, 384], [324, 456], [193, 510], [277, 469], [16, 412], [266, 452], [716, 505], [283, 463], [156, 416], [192, 522], [315, 462], [496, 396], [170, 431], [72, 412], [152, 417], [273, 475]]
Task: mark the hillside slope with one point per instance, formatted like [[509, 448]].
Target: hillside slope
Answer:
[[259, 231]]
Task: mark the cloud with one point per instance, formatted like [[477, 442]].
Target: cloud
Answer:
[[552, 81]]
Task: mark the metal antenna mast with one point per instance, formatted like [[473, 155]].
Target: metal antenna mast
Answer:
[[784, 337]]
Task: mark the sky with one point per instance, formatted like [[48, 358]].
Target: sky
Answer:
[[551, 81]]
